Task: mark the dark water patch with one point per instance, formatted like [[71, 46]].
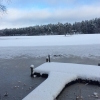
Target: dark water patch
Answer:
[[15, 78], [84, 89]]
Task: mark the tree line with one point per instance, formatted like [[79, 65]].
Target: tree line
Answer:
[[83, 27]]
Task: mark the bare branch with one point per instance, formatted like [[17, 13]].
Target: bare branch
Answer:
[[2, 8]]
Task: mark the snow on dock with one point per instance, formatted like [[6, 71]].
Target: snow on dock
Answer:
[[82, 71], [61, 74], [51, 87]]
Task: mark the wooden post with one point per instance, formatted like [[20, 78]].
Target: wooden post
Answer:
[[49, 58], [32, 67]]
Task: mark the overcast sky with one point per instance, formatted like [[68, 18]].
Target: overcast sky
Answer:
[[23, 13]]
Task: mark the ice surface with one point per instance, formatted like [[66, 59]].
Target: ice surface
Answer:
[[87, 45], [84, 45]]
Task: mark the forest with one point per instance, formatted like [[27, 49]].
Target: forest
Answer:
[[83, 27]]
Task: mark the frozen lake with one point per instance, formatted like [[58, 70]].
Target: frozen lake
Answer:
[[40, 46]]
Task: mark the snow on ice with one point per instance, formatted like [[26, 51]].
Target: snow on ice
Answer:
[[61, 40], [61, 74], [84, 45]]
